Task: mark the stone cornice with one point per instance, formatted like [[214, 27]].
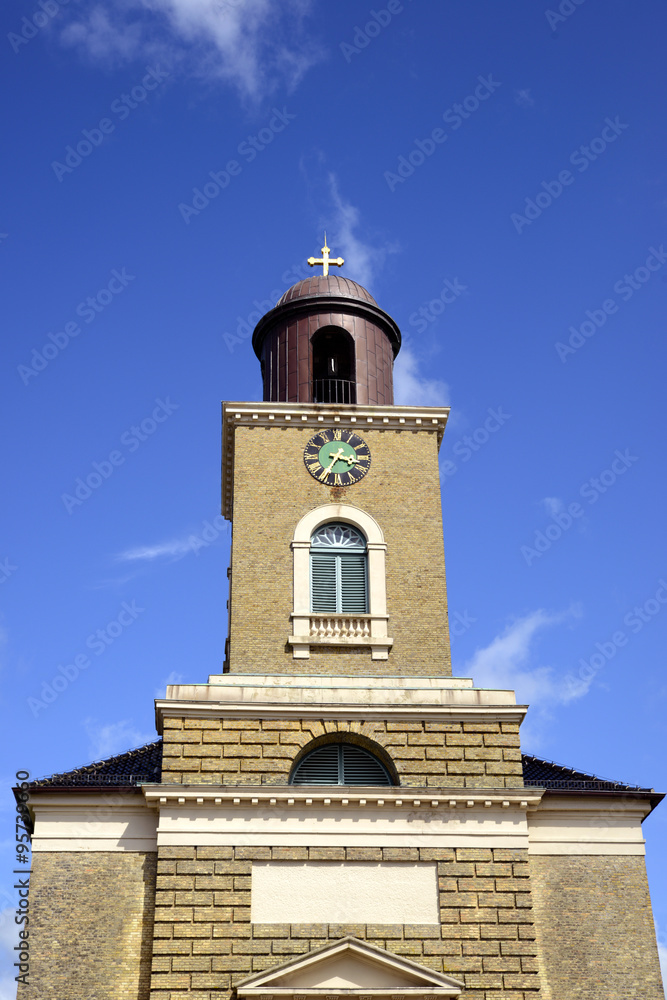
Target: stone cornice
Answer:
[[300, 796], [314, 415], [182, 708]]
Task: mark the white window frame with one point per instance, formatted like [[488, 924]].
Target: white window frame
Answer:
[[320, 629]]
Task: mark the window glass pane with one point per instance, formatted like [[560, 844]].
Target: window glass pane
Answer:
[[338, 536]]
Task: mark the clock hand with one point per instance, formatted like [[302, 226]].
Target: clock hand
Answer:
[[334, 456]]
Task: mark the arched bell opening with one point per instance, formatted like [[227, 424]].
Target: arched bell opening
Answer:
[[334, 379]]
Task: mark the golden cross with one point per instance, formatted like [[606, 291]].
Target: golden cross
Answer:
[[324, 259]]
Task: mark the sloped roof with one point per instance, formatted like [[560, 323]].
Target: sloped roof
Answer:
[[144, 764], [548, 774]]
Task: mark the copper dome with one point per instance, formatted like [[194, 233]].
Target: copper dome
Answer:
[[327, 341], [331, 284]]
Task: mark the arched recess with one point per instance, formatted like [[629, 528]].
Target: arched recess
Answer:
[[354, 739], [310, 629], [334, 379]]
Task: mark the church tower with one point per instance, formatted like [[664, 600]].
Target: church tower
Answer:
[[334, 498], [335, 814]]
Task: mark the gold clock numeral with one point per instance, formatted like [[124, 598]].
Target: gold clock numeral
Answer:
[[337, 480], [337, 435], [323, 477]]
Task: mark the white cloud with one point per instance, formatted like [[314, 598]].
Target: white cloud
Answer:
[[255, 45], [108, 739], [411, 388], [104, 38], [662, 955], [504, 663], [362, 260], [173, 678], [9, 938], [552, 505], [174, 547], [508, 663], [523, 99]]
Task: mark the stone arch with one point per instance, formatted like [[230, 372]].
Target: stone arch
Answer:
[[357, 739]]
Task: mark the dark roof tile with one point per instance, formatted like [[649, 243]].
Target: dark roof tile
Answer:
[[143, 764]]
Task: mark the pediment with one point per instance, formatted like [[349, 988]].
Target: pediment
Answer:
[[349, 966]]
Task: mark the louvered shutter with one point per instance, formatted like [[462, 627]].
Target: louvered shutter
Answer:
[[323, 581], [361, 768], [340, 764], [319, 768], [353, 588]]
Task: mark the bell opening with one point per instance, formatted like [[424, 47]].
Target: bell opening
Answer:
[[333, 366]]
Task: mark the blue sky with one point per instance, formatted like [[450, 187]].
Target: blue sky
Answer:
[[495, 175]]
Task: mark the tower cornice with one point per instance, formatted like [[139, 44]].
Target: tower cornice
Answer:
[[432, 419]]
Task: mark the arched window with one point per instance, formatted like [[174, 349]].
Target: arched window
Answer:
[[333, 366], [350, 575], [340, 764], [338, 570]]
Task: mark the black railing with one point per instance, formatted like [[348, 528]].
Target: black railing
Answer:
[[97, 779], [599, 784], [334, 390]]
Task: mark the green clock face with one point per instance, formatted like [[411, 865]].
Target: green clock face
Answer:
[[337, 458]]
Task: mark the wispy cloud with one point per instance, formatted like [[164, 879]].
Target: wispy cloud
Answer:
[[506, 662], [255, 45], [662, 951], [552, 505], [107, 739], [9, 938], [173, 678], [524, 99], [174, 548], [105, 36], [363, 259], [411, 388], [510, 662]]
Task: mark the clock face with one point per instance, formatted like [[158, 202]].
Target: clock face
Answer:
[[337, 458]]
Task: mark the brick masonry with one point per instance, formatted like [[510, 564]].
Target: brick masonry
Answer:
[[595, 927], [420, 754], [273, 490], [91, 926], [205, 943]]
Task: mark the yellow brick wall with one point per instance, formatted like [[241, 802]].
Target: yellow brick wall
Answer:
[[273, 490], [595, 927], [262, 751], [205, 944], [91, 925]]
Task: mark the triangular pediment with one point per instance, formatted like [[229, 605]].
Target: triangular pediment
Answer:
[[349, 966]]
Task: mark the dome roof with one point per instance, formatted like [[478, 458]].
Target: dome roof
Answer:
[[331, 284]]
